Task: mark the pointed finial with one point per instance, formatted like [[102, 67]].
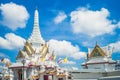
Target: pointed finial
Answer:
[[96, 43], [36, 8]]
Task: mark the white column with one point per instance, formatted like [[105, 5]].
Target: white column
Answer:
[[54, 77], [11, 77], [24, 73], [41, 77], [15, 73], [66, 78]]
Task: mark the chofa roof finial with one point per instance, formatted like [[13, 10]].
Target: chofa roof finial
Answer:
[[96, 43], [36, 8]]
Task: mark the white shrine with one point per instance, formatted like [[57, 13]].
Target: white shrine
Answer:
[[100, 59], [98, 66], [35, 61]]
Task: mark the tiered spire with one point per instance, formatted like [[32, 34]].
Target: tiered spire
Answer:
[[36, 37]]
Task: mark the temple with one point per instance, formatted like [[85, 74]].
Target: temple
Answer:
[[100, 58], [35, 61], [98, 65]]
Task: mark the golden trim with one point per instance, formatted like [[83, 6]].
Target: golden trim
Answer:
[[20, 54], [61, 75], [97, 49]]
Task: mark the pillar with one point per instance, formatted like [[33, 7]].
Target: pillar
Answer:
[[24, 73], [54, 77], [15, 73], [41, 77]]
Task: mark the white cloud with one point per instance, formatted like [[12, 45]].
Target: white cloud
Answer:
[[92, 23], [11, 41], [65, 48], [2, 55], [75, 68], [79, 55], [70, 62], [60, 17], [62, 48], [118, 24], [85, 43], [90, 43], [14, 16], [116, 46], [69, 65]]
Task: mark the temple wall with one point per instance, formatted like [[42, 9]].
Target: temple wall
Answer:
[[111, 67], [96, 66], [92, 75], [106, 67], [86, 75]]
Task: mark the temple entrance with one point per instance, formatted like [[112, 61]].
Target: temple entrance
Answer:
[[60, 78], [19, 74], [48, 77]]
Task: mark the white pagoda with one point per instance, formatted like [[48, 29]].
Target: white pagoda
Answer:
[[35, 61]]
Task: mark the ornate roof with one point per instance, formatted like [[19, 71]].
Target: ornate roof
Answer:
[[21, 54], [28, 48], [44, 50], [97, 51], [26, 51]]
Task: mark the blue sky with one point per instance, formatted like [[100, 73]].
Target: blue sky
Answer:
[[77, 24]]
